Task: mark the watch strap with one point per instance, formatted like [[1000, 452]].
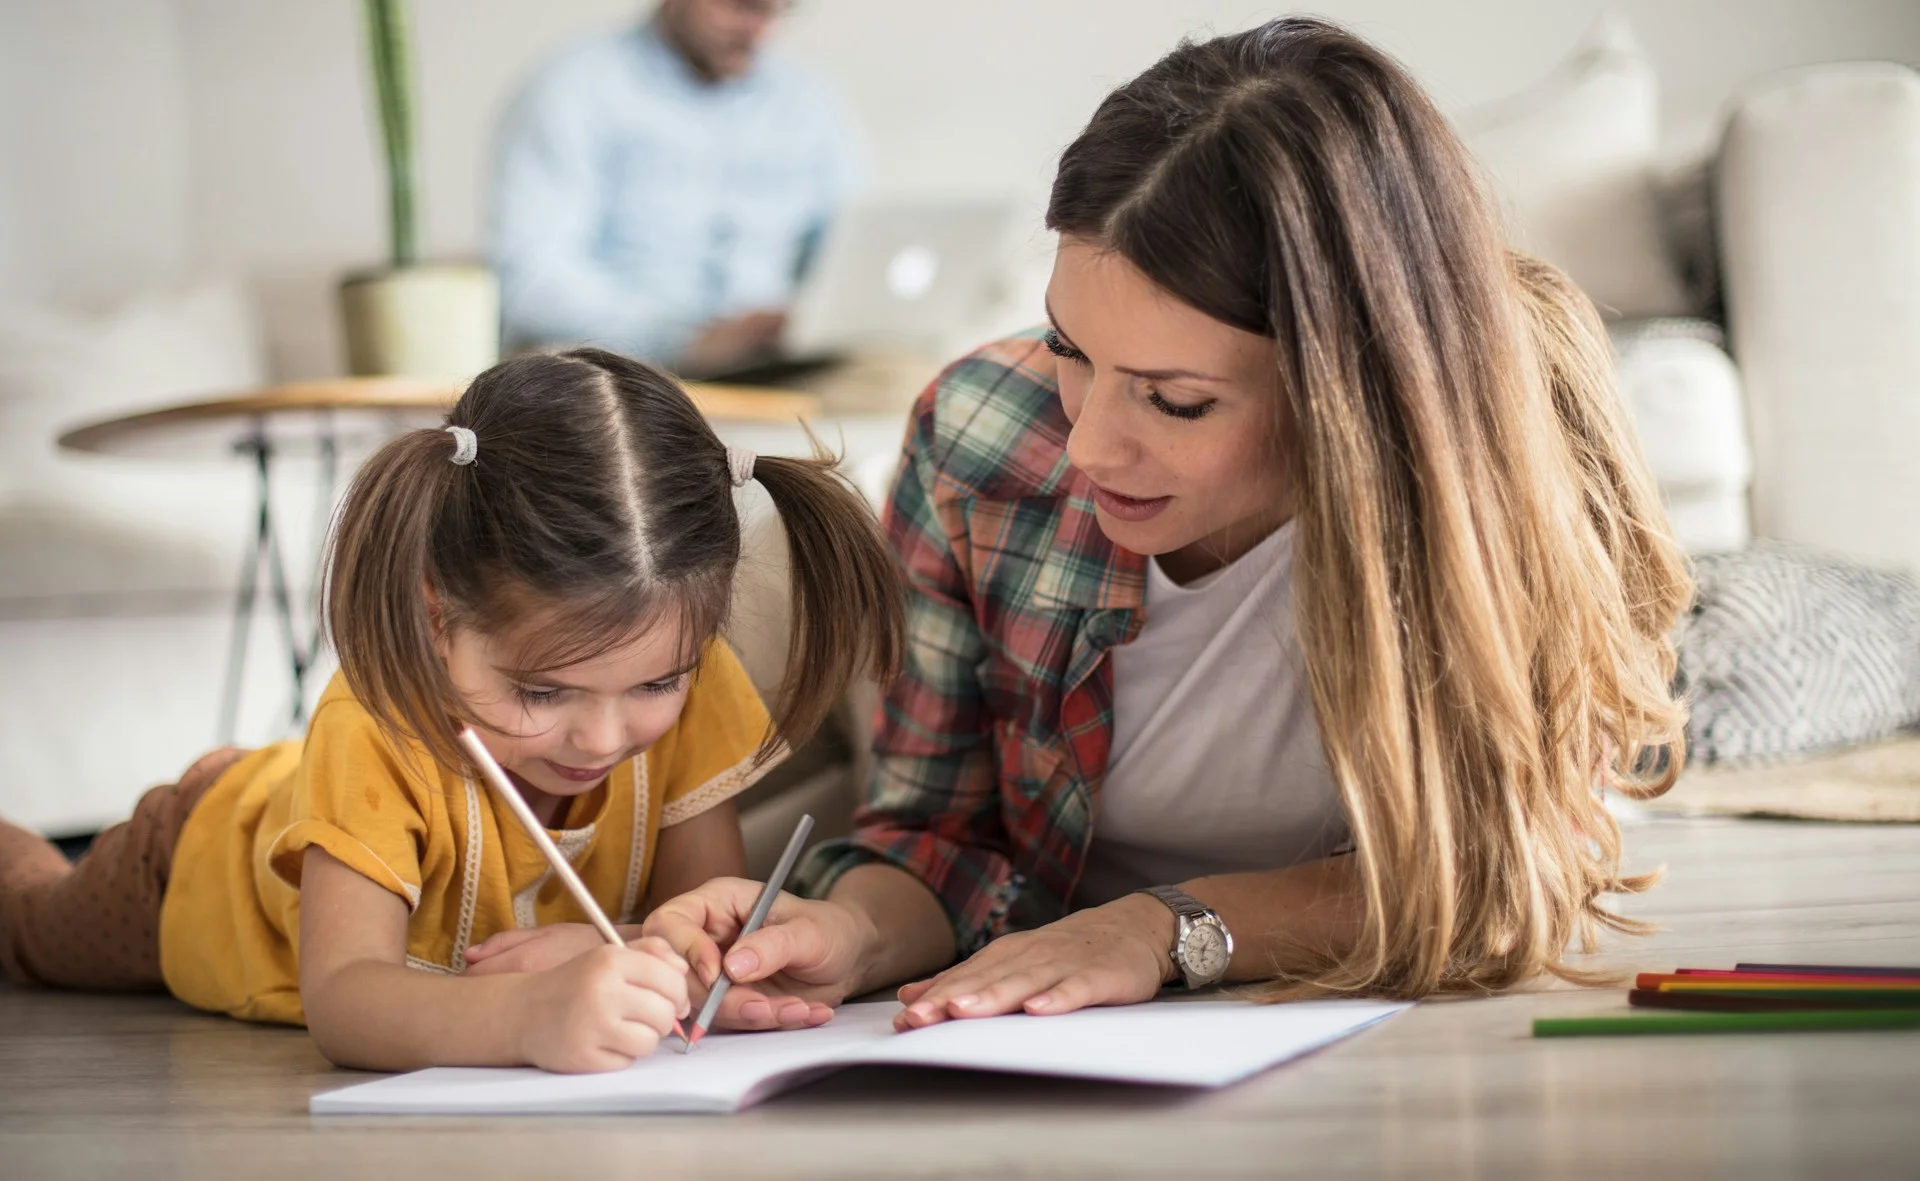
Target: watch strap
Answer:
[[1178, 901]]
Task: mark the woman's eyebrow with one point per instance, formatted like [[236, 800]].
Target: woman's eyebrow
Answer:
[[1151, 375], [1055, 321], [1144, 374]]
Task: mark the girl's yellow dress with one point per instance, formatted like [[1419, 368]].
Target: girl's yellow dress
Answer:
[[230, 923]]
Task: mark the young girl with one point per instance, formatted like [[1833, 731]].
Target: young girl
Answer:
[[552, 568]]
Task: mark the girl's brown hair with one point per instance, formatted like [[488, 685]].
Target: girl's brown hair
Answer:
[[599, 497], [1485, 578]]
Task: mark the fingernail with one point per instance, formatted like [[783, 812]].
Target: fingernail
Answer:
[[920, 1014], [965, 1002], [1040, 1002], [742, 963], [709, 973], [756, 1011]]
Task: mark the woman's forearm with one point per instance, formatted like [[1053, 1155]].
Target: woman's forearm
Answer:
[[908, 933], [379, 1016], [1285, 920]]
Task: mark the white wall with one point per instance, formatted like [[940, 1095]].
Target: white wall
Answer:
[[93, 148], [970, 96]]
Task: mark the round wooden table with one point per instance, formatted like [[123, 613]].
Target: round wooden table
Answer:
[[324, 419]]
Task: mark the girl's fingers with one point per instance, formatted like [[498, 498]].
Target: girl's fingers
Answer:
[[650, 1009], [656, 975], [910, 993], [631, 1040], [502, 941]]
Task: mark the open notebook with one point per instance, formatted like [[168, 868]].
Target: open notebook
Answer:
[[1171, 1043]]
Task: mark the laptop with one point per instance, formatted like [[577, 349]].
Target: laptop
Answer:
[[893, 277]]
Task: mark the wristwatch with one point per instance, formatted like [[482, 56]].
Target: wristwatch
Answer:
[[1202, 946]]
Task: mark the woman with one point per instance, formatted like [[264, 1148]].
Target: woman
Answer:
[[1305, 565]]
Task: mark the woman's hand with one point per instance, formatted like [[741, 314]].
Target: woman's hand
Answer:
[[1115, 954], [603, 1009], [790, 973], [538, 949]]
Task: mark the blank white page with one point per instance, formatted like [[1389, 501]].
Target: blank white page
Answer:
[[1170, 1043], [1177, 1043]]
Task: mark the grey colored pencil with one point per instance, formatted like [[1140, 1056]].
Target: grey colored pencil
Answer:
[[763, 904]]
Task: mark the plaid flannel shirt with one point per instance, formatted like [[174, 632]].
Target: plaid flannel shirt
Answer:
[[990, 747]]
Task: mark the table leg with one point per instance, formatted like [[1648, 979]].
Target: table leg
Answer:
[[249, 586]]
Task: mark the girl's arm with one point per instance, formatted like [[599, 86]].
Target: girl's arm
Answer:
[[693, 852], [687, 855], [365, 1008]]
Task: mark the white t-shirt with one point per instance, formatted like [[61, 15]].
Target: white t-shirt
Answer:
[[1216, 764]]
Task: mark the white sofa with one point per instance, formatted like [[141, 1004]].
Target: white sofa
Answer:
[[115, 581], [1791, 242]]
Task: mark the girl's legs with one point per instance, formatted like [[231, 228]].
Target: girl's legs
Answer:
[[94, 924]]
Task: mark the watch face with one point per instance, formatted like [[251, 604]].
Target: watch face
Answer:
[[1204, 954]]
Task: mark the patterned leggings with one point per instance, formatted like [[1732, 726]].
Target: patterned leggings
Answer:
[[94, 924]]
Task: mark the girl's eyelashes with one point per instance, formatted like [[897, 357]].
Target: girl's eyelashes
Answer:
[[528, 695], [1172, 410], [1057, 345]]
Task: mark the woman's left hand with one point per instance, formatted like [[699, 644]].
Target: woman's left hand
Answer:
[[1115, 954]]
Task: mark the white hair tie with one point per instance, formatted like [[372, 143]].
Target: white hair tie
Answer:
[[466, 446], [740, 463]]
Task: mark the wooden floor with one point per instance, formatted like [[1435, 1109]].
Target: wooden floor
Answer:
[[143, 1087]]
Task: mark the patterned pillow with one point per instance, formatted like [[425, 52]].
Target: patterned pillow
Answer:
[[1788, 651]]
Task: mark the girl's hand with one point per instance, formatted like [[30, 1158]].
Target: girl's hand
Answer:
[[537, 949], [790, 973], [1115, 954], [602, 1009]]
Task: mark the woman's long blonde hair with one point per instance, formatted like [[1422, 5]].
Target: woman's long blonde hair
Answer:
[[1486, 581]]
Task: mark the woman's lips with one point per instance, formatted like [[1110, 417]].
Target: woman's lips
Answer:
[[1129, 508], [578, 774]]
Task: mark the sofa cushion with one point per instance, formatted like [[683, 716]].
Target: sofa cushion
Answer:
[[1790, 651], [88, 526], [1683, 394], [1573, 161], [1819, 216]]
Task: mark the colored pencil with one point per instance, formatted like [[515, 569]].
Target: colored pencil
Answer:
[[1768, 980], [1772, 999], [1828, 970], [1779, 986], [761, 906], [1804, 1020], [503, 787], [1709, 974]]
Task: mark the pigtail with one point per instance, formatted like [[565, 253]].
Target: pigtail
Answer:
[[848, 595], [378, 570]]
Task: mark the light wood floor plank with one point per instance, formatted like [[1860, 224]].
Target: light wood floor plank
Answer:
[[143, 1087]]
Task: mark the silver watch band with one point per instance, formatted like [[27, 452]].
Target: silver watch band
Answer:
[[1192, 914], [1178, 901]]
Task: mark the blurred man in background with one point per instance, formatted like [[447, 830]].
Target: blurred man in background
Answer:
[[660, 192]]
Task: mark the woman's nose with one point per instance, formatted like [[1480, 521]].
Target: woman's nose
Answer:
[[1099, 444]]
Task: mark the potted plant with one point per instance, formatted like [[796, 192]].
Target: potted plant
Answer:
[[412, 318]]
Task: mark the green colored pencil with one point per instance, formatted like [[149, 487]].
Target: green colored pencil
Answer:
[[1728, 1022]]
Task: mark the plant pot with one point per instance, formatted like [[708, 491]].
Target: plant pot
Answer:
[[439, 321]]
